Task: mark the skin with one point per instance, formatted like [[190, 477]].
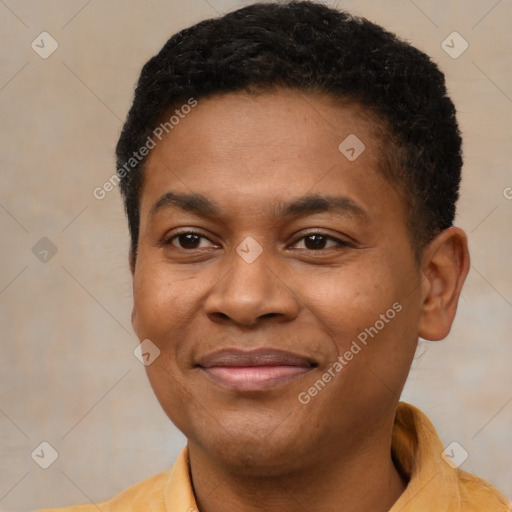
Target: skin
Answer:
[[264, 450]]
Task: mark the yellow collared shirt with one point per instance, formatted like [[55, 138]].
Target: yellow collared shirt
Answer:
[[434, 485]]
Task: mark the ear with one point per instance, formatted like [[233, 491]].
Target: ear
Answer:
[[445, 265]]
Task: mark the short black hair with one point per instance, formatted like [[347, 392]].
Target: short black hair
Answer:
[[307, 46]]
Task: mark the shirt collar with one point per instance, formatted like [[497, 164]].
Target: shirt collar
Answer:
[[416, 448], [179, 494]]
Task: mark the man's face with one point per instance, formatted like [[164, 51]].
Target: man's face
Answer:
[[254, 291]]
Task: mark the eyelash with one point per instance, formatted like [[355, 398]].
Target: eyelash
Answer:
[[341, 243]]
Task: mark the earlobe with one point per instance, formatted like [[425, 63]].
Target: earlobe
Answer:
[[445, 266]]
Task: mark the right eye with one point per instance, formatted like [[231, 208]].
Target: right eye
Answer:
[[187, 240]]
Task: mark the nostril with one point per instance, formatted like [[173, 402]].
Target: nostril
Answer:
[[268, 315], [223, 316]]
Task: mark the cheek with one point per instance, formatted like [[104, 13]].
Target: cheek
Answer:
[[370, 317], [162, 303], [346, 300], [171, 392], [163, 310]]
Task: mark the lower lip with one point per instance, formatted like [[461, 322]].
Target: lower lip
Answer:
[[254, 378]]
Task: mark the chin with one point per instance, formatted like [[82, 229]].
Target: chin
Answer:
[[254, 459], [252, 449]]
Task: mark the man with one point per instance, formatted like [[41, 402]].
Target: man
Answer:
[[290, 174]]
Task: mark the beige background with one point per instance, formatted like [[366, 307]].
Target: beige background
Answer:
[[68, 375]]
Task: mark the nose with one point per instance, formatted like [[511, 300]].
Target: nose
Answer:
[[250, 292]]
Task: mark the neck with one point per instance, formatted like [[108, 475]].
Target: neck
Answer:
[[360, 480]]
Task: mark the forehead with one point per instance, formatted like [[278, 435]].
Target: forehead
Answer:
[[264, 148]]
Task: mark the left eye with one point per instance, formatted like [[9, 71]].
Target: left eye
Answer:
[[318, 241]]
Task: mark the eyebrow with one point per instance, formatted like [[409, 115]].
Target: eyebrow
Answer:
[[201, 206]]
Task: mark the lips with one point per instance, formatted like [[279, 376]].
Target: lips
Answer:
[[254, 370]]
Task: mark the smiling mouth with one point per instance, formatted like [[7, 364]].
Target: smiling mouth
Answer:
[[257, 370]]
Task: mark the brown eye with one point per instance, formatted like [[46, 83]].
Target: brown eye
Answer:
[[189, 240], [315, 241], [319, 241], [186, 240]]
